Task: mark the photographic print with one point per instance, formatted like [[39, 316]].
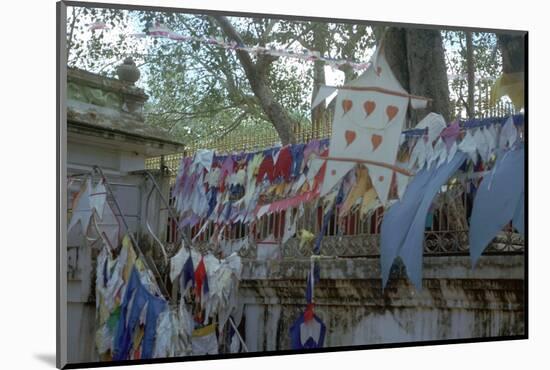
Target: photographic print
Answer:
[[238, 184]]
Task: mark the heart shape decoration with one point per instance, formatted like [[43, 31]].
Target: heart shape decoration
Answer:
[[350, 136], [376, 140], [369, 106], [346, 105], [391, 111]]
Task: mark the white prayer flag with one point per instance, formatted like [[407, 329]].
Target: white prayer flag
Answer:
[[369, 117], [323, 93]]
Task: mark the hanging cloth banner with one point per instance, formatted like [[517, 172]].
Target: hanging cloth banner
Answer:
[[201, 280], [402, 231], [283, 204], [306, 334], [499, 199], [137, 299], [82, 208], [204, 341], [323, 93], [368, 121], [187, 276]]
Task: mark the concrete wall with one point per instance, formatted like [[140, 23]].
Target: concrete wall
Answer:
[[130, 191], [456, 301], [80, 307]]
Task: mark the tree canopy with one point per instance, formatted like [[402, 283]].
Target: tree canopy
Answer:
[[200, 92]]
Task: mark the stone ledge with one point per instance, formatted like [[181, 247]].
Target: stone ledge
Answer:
[[106, 84], [440, 267], [507, 295]]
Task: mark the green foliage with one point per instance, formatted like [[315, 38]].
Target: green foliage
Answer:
[[487, 65], [201, 93], [96, 51]]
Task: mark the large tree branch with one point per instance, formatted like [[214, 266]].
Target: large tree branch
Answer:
[[235, 94], [191, 114], [264, 62], [234, 125], [265, 35], [257, 78], [232, 33]]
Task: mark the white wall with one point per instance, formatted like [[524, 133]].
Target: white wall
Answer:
[[128, 193]]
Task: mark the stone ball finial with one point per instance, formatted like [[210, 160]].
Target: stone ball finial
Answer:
[[128, 71]]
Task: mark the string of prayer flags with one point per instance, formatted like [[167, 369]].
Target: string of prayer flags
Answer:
[[242, 187], [159, 30]]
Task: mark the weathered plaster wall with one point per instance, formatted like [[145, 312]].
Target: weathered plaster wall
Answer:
[[456, 301]]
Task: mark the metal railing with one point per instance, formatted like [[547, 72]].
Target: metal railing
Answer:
[[446, 231], [321, 129], [436, 243]]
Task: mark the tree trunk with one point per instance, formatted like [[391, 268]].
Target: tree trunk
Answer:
[[417, 59], [470, 70], [512, 48], [318, 114], [394, 43], [428, 72], [256, 74]]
